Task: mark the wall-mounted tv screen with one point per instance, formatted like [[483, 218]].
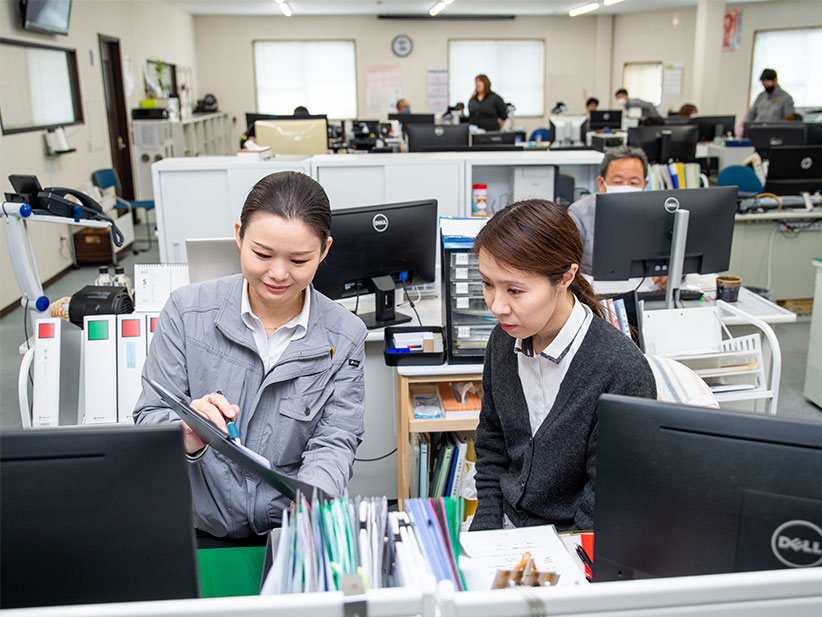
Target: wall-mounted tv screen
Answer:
[[46, 15]]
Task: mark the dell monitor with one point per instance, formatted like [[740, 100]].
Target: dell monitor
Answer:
[[766, 135], [794, 169], [567, 131], [429, 137], [374, 249], [684, 491], [93, 515], [494, 138], [666, 143], [605, 119], [633, 232]]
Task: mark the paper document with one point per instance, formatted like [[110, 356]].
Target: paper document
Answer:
[[485, 552]]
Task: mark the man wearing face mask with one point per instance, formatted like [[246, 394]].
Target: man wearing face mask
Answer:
[[771, 105], [648, 109], [622, 170]]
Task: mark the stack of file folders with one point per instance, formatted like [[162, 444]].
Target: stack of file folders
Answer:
[[355, 543]]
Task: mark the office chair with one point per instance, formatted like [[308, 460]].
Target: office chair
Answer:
[[740, 176], [106, 178], [544, 134]]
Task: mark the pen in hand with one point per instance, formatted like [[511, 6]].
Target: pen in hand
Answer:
[[233, 431]]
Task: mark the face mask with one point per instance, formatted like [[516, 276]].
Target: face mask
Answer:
[[770, 89], [621, 102], [622, 188]]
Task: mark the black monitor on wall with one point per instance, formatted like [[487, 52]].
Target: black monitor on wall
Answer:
[[93, 515], [429, 137], [686, 491], [632, 232], [376, 248], [605, 119], [49, 16], [666, 143], [766, 135], [794, 169]]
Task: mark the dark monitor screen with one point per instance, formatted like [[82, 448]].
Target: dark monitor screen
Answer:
[[373, 246], [50, 16], [93, 515], [605, 119], [765, 135], [665, 143], [714, 126], [424, 137], [813, 134], [794, 169], [494, 138], [632, 232], [412, 118], [687, 491]]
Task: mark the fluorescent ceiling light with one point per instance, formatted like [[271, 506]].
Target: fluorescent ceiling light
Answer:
[[585, 8], [610, 2], [437, 9], [285, 9]]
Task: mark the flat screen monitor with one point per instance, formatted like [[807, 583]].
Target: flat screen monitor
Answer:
[[794, 169], [566, 131], [632, 232], [211, 258], [766, 135], [50, 16], [412, 118], [425, 137], [666, 143], [813, 134], [375, 248], [293, 135], [605, 119], [711, 127], [494, 138], [93, 515], [687, 491]]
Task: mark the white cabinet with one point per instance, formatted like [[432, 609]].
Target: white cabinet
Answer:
[[203, 134]]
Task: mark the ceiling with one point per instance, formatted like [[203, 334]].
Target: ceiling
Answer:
[[420, 7]]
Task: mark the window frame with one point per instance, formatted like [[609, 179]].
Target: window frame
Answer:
[[542, 76], [660, 64], [74, 88], [340, 40], [752, 80]]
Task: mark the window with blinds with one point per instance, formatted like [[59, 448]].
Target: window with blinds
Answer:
[[796, 56], [643, 80]]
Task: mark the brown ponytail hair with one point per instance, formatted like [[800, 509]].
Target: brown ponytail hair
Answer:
[[539, 237]]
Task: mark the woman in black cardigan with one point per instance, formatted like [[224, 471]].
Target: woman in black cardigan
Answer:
[[546, 364]]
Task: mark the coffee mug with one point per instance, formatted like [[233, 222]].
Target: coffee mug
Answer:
[[727, 287]]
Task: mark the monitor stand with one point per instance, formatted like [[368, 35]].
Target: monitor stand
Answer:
[[383, 287], [676, 260]]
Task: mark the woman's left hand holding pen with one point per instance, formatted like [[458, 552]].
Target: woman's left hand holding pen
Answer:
[[215, 407]]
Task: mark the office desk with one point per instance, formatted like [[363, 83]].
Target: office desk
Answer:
[[813, 369]]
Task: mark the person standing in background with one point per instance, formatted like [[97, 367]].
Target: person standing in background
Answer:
[[486, 109], [647, 108], [771, 105]]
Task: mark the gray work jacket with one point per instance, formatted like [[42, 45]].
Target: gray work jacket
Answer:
[[648, 109], [305, 414], [770, 107]]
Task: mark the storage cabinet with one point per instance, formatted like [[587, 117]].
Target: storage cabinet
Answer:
[[467, 320]]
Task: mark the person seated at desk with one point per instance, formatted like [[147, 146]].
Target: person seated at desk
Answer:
[[688, 110], [591, 105], [622, 170], [263, 348], [546, 363], [403, 107]]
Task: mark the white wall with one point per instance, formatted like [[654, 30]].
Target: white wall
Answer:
[[146, 29], [225, 60]]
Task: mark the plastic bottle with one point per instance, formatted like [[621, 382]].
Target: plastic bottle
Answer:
[[121, 279], [104, 277], [479, 201]]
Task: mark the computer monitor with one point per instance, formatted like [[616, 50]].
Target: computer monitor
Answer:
[[211, 258], [765, 135], [95, 514], [566, 131], [494, 138], [633, 232], [813, 134], [376, 247], [293, 135], [605, 119], [685, 491], [794, 169], [665, 143], [425, 137], [412, 118], [711, 127]]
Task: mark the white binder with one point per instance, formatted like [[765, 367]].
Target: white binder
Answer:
[[100, 368], [131, 354]]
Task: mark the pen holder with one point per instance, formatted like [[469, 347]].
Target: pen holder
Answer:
[[396, 357]]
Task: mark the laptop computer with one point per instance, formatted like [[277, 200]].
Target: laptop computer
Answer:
[[211, 258]]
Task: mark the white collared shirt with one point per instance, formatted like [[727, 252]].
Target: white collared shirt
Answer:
[[271, 348], [541, 374]]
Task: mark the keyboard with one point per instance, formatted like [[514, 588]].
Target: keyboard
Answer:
[[659, 295]]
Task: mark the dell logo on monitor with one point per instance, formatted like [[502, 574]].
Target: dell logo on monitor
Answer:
[[806, 163], [671, 204], [797, 544], [380, 222]]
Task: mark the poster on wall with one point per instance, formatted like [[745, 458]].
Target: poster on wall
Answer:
[[672, 78], [382, 89], [732, 30], [437, 91]]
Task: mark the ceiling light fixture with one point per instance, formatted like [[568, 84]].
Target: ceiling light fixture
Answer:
[[585, 8], [610, 2], [285, 8], [438, 7]]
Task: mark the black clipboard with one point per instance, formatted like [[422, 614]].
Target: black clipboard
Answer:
[[220, 441]]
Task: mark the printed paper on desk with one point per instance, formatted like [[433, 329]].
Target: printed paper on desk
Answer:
[[153, 284], [485, 552]]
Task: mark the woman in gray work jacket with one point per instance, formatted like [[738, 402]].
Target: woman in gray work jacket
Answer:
[[268, 351]]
